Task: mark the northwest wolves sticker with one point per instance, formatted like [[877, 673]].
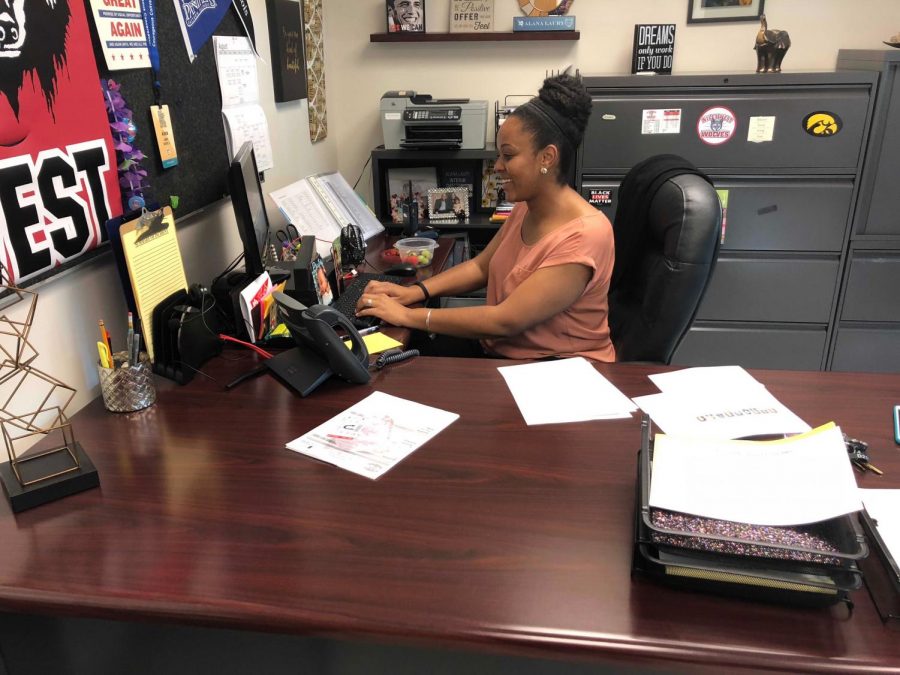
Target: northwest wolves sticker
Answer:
[[822, 123], [716, 125]]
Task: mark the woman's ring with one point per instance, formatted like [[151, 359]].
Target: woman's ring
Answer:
[[368, 302]]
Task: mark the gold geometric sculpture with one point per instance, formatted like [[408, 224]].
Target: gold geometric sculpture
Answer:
[[39, 413]]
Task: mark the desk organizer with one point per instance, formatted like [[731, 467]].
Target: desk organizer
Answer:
[[127, 388], [812, 565]]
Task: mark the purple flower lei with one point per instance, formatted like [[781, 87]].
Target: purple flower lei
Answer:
[[132, 178]]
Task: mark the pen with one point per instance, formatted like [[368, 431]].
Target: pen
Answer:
[[369, 330], [129, 340], [104, 354], [104, 336], [136, 349]]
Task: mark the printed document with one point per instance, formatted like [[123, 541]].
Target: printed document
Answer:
[[321, 205], [565, 390], [793, 481], [372, 436], [884, 507], [243, 116], [721, 414]]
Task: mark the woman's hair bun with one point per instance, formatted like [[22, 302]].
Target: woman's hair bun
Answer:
[[567, 95]]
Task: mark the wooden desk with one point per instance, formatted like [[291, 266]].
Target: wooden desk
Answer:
[[494, 542]]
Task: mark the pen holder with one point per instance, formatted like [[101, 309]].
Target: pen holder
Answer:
[[127, 389]]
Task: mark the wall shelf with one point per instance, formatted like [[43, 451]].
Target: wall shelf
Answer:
[[522, 36]]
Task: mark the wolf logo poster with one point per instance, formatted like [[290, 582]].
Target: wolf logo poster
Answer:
[[58, 178]]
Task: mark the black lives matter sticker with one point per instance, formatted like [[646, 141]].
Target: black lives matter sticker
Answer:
[[600, 198]]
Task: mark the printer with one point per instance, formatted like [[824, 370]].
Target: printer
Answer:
[[416, 121]]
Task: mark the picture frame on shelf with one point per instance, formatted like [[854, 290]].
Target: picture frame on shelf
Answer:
[[717, 11], [402, 181], [405, 16], [471, 16], [448, 203]]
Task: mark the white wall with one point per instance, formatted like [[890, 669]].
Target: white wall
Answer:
[[358, 72], [362, 71], [65, 328]]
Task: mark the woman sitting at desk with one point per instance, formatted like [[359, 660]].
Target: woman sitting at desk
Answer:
[[547, 269]]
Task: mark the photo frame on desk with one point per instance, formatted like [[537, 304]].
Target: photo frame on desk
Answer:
[[421, 180], [448, 204]]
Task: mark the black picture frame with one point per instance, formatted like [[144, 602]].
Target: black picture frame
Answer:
[[405, 16], [287, 49], [720, 11]]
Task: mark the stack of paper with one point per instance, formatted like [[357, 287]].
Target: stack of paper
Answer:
[[566, 390], [804, 479], [722, 402]]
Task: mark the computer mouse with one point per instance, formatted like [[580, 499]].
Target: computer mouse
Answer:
[[404, 270]]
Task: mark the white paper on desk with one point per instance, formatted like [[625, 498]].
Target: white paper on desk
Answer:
[[799, 480], [884, 507], [721, 415], [696, 381], [565, 390], [371, 437]]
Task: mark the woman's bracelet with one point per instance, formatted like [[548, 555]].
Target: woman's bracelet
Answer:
[[428, 321], [424, 291]]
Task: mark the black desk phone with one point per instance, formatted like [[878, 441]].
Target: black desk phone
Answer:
[[320, 351]]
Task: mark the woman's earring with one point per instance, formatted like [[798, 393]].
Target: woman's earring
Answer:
[[543, 170]]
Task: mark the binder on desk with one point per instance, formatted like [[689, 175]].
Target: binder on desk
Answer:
[[322, 204]]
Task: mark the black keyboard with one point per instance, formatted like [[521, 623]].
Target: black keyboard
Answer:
[[346, 302]]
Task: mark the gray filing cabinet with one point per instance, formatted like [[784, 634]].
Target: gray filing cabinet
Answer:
[[868, 328], [790, 197]]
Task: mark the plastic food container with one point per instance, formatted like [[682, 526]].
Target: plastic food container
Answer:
[[417, 251]]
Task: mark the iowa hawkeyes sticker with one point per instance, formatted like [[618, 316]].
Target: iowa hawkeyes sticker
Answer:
[[822, 123]]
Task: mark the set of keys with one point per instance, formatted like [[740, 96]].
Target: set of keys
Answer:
[[859, 456]]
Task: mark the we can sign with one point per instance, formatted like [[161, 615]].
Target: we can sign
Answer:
[[716, 125]]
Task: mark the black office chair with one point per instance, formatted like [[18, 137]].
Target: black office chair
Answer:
[[667, 230]]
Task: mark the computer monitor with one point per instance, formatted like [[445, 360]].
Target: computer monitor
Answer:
[[249, 208]]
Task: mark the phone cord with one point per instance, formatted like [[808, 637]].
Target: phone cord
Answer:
[[395, 355]]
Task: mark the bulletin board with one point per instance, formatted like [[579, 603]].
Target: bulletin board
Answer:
[[191, 91]]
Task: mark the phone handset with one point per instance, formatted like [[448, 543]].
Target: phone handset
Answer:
[[350, 364]]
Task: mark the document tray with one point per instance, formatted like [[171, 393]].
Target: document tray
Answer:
[[836, 542], [758, 569]]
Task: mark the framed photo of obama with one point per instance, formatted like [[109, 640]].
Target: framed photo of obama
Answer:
[[405, 16]]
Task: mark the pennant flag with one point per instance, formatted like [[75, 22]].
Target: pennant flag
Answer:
[[199, 20]]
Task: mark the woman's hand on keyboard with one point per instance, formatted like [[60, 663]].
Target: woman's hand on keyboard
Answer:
[[405, 295], [383, 306]]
